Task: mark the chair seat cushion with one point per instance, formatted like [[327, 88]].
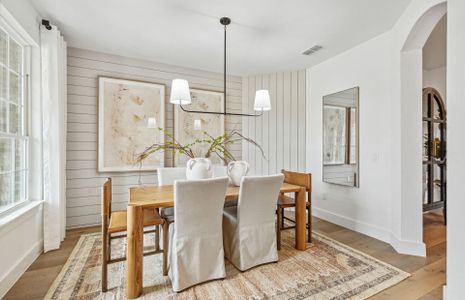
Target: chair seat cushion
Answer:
[[230, 212], [167, 213], [286, 201], [118, 220], [230, 203]]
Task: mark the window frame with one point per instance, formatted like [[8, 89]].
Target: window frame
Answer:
[[14, 31]]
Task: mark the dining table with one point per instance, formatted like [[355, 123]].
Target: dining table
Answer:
[[156, 197]]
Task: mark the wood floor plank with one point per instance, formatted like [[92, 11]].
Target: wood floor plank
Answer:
[[421, 283], [428, 274]]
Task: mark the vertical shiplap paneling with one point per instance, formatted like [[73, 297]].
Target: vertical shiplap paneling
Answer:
[[83, 181], [272, 123], [265, 130], [245, 120], [302, 125], [252, 120], [280, 121], [293, 124], [287, 121], [258, 130], [281, 132]]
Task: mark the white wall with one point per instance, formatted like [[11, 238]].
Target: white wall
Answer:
[[281, 131], [21, 241], [456, 147], [436, 78], [21, 232], [388, 70], [363, 209], [84, 183]]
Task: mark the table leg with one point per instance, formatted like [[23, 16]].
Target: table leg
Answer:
[[135, 249], [300, 220]]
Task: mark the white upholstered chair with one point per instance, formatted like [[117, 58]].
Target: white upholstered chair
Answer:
[[167, 176], [249, 231], [195, 246]]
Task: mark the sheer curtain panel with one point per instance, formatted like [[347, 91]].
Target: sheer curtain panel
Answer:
[[53, 63]]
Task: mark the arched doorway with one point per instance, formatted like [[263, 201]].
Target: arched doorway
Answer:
[[434, 151], [407, 216]]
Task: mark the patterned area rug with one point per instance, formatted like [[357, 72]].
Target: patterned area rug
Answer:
[[327, 270]]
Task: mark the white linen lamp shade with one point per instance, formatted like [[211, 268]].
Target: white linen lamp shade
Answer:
[[180, 93], [262, 101]]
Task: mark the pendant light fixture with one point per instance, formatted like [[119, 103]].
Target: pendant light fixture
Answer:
[[180, 93]]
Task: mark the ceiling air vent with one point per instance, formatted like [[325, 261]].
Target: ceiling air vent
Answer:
[[312, 50]]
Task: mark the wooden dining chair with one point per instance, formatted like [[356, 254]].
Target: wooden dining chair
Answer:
[[114, 226], [301, 179]]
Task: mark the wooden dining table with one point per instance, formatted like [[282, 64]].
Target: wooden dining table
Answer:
[[152, 197]]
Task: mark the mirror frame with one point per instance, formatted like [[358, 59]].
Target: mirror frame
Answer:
[[357, 138]]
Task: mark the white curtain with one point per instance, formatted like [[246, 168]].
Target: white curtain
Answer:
[[53, 64]]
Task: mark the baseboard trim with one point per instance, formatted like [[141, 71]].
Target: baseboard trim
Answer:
[[362, 227], [408, 247], [401, 246], [13, 275]]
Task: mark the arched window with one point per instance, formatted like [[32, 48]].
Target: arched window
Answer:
[[434, 150]]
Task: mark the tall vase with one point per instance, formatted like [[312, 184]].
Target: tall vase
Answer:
[[199, 168], [237, 170]]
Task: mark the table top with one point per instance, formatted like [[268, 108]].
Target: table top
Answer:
[[162, 196]]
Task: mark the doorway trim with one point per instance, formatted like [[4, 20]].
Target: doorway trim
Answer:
[[408, 235]]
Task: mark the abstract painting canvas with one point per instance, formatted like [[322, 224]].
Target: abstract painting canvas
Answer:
[[125, 108], [190, 126]]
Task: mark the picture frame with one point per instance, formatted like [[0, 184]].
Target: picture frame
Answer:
[[124, 109], [185, 122]]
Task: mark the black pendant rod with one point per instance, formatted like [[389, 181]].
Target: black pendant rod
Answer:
[[224, 62], [224, 21]]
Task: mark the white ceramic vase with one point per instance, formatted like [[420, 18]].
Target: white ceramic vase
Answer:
[[237, 170], [199, 168]]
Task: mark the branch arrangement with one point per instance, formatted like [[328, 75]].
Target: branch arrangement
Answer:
[[216, 146]]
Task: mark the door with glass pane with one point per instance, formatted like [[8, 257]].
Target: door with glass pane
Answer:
[[434, 150]]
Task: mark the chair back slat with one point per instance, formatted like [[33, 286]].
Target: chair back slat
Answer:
[[297, 178], [106, 198]]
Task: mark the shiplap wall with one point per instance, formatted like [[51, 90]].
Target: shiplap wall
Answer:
[[83, 181], [281, 131]]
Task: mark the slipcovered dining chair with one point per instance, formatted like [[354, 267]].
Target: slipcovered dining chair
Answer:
[[249, 228], [167, 176], [195, 245]]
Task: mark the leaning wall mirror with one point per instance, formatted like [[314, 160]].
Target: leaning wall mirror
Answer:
[[340, 138]]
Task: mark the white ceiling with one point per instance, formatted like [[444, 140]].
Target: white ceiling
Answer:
[[265, 35], [435, 49]]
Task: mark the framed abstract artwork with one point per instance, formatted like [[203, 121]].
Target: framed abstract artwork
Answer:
[[126, 108], [189, 127]]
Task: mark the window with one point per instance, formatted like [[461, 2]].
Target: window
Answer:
[[13, 135]]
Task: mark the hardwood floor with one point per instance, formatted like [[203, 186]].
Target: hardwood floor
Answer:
[[428, 274]]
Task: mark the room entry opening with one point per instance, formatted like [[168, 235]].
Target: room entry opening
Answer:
[[434, 151]]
